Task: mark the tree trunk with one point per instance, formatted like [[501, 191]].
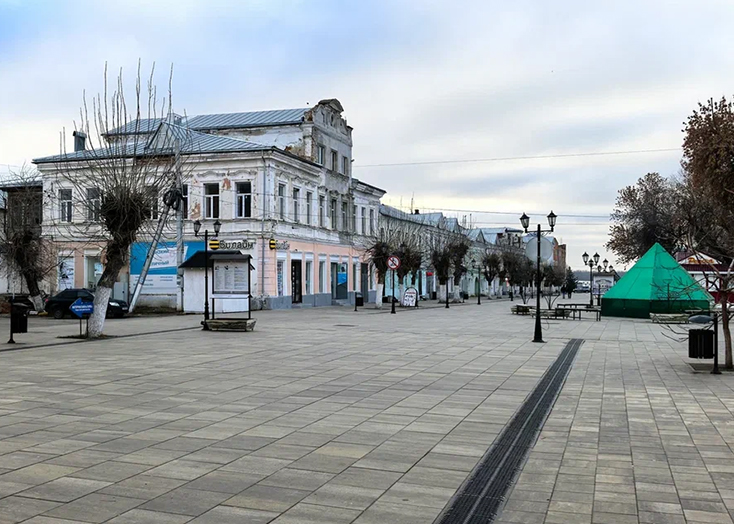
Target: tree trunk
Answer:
[[457, 293], [401, 292], [442, 292], [378, 295], [34, 291], [724, 298], [96, 320], [116, 255]]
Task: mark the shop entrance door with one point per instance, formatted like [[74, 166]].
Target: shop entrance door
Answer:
[[296, 282]]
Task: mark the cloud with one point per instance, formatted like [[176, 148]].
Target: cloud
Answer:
[[420, 81]]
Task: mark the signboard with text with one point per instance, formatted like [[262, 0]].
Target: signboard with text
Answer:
[[231, 279], [410, 297]]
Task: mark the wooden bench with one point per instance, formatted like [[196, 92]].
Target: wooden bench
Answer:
[[521, 309], [669, 318]]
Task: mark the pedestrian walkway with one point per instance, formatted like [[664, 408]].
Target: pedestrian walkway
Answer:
[[332, 416]]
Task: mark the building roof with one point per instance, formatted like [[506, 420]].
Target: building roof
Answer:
[[162, 142], [275, 117], [197, 259]]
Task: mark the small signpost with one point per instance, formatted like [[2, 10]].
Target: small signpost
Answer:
[[393, 262], [82, 309], [410, 297]]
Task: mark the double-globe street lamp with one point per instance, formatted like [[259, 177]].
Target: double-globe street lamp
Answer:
[[197, 228], [592, 262], [525, 221]]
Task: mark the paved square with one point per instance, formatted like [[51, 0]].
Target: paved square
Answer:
[[330, 416]]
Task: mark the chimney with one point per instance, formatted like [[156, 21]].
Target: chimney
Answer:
[[417, 212], [80, 140]]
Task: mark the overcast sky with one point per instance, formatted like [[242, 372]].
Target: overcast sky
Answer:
[[420, 81]]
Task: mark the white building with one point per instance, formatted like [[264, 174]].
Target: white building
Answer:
[[279, 182]]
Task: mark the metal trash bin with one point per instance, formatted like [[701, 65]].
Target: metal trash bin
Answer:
[[19, 318], [700, 343], [359, 299]]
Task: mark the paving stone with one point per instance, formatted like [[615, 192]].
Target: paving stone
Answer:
[[184, 501], [96, 507]]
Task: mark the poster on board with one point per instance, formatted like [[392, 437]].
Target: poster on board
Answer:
[[161, 277]]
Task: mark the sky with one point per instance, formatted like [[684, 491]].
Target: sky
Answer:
[[447, 99]]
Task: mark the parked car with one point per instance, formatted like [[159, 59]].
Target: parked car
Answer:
[[58, 305]]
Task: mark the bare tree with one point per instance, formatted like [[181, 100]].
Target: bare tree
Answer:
[[492, 265], [441, 257], [126, 159], [459, 248], [27, 251], [552, 276], [519, 271], [394, 235]]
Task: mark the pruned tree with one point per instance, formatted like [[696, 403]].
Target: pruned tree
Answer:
[[394, 236], [27, 252], [520, 271], [459, 247], [121, 181], [442, 259], [552, 277], [410, 260], [492, 265], [644, 213], [707, 203]]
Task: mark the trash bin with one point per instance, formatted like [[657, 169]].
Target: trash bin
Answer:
[[359, 299], [19, 318], [700, 343], [433, 295]]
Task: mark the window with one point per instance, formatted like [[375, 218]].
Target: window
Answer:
[[152, 196], [322, 276], [364, 221], [354, 218], [185, 201], [94, 203], [281, 201], [309, 269], [244, 199], [334, 160], [211, 200], [322, 210], [309, 211], [320, 155], [280, 277], [333, 214], [372, 222], [345, 224], [65, 205], [345, 165], [296, 197]]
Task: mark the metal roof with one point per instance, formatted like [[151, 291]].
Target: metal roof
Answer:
[[134, 127], [162, 142], [250, 119]]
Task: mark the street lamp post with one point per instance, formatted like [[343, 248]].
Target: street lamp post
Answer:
[[197, 228], [478, 268], [591, 262], [525, 221]]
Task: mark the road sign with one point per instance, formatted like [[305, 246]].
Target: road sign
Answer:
[[82, 307], [214, 245], [393, 262]]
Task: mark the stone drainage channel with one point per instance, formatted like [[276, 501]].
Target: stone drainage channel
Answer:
[[482, 495]]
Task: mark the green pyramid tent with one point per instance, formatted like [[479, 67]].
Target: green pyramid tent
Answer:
[[656, 284]]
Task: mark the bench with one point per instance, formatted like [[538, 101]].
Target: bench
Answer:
[[669, 318], [521, 309]]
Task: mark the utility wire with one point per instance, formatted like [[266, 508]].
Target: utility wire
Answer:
[[531, 157]]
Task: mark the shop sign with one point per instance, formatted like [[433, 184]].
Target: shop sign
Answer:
[[235, 245], [278, 244]]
